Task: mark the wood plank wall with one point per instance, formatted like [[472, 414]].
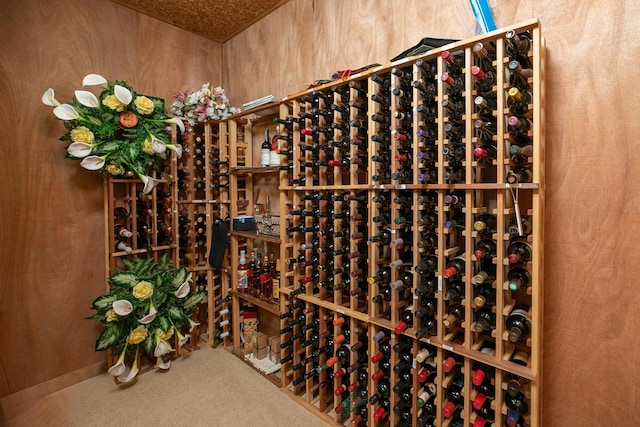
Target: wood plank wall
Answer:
[[52, 231], [591, 338]]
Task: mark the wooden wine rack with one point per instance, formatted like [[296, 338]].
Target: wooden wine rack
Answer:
[[389, 153], [203, 202], [151, 219]]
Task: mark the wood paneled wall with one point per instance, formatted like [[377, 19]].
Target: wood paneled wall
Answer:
[[52, 242], [52, 231], [591, 335]]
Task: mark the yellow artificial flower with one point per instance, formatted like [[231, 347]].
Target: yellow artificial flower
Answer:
[[143, 290], [147, 146], [112, 102], [138, 335], [114, 169], [82, 134], [164, 336], [111, 315], [144, 105]]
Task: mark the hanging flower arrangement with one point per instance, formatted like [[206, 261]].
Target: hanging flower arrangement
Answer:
[[147, 307], [202, 105], [117, 131]]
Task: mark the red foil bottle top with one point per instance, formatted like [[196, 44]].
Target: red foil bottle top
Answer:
[[354, 386], [448, 409], [340, 372], [513, 258], [306, 279], [400, 327], [449, 272], [377, 357], [446, 78], [480, 152], [423, 375], [478, 377], [379, 414], [332, 361], [477, 72], [479, 400], [447, 56], [448, 364], [339, 391], [338, 321], [401, 158], [479, 253], [377, 375], [400, 136], [306, 131], [479, 422]]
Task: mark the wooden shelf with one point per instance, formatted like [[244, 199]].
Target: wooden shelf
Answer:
[[270, 306], [275, 377], [255, 236], [246, 170]]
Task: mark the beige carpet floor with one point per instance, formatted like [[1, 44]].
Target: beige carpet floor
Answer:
[[209, 387]]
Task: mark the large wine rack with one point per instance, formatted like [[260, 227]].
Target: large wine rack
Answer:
[[413, 241], [411, 205]]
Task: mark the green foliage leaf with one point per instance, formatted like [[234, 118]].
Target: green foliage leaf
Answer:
[[180, 277], [108, 338], [176, 313], [124, 279], [163, 323], [193, 300], [149, 344], [104, 302]]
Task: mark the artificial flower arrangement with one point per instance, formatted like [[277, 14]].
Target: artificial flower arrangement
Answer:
[[118, 131], [204, 104], [147, 307]]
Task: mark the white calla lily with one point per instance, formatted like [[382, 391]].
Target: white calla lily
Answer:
[[48, 98], [149, 183], [158, 145], [182, 340], [160, 364], [87, 99], [122, 307], [94, 80], [123, 94], [162, 348], [119, 367], [176, 121], [183, 290], [93, 163], [126, 377], [177, 148], [79, 149], [150, 316], [192, 324], [66, 112]]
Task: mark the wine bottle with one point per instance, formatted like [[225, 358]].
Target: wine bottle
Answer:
[[455, 267], [265, 149], [485, 320], [519, 251], [518, 101], [455, 400], [518, 323], [122, 245], [242, 273], [121, 231], [518, 278], [455, 314]]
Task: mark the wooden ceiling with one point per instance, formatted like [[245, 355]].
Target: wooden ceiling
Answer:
[[218, 20]]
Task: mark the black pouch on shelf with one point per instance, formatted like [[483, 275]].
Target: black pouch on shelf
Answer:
[[427, 43], [218, 242]]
